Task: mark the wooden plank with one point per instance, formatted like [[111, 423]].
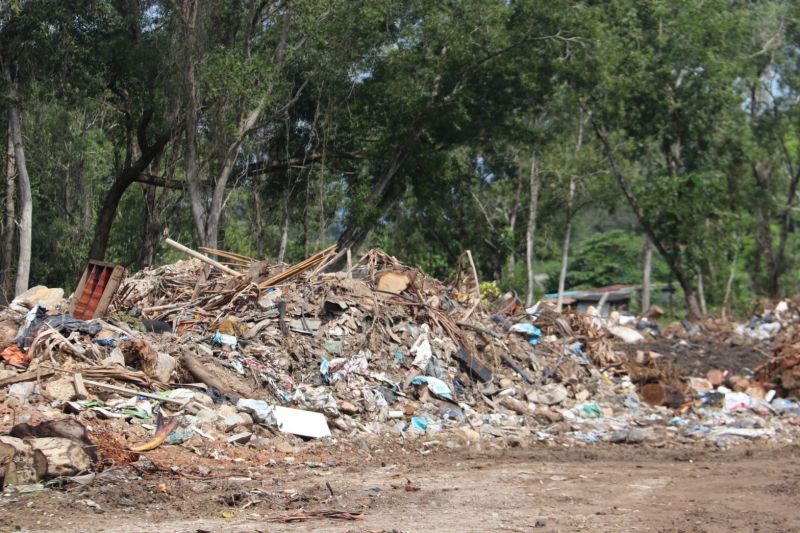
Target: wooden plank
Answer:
[[26, 376], [201, 257], [129, 392], [297, 268], [228, 255]]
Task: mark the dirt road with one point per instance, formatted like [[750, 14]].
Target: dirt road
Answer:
[[622, 488]]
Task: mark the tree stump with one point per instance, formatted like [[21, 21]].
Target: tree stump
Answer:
[[660, 394], [54, 457], [715, 376], [16, 462]]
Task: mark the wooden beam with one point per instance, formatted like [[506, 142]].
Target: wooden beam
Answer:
[[201, 257]]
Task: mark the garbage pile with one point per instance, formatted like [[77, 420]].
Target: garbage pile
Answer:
[[782, 371], [252, 354]]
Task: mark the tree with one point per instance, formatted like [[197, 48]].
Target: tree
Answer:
[[133, 63], [533, 211], [25, 202], [451, 81], [654, 102]]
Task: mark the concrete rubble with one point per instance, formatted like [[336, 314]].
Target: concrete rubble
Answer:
[[276, 357]]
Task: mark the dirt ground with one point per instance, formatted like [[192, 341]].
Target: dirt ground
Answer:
[[697, 355], [605, 488]]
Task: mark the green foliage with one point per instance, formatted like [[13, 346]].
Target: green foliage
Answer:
[[411, 125], [606, 259]]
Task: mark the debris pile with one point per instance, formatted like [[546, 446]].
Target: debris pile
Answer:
[[204, 354], [782, 371]]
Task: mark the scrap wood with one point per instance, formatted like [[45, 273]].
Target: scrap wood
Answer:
[[375, 260], [122, 374], [515, 367], [30, 375], [111, 372], [309, 515], [394, 282], [328, 259], [297, 268], [80, 389], [561, 321], [243, 259], [51, 341], [58, 456], [201, 257], [114, 388], [200, 373], [128, 392]]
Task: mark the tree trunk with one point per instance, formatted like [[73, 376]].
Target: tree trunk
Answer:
[[284, 229], [777, 269], [354, 236], [533, 208], [122, 181], [673, 260], [25, 199], [512, 225], [381, 203], [155, 206], [207, 221], [647, 270], [191, 118], [701, 292], [151, 236], [9, 223], [105, 218], [321, 207], [259, 223], [218, 197], [762, 175], [731, 278], [562, 276]]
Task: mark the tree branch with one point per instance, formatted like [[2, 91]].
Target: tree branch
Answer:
[[299, 161], [158, 181]]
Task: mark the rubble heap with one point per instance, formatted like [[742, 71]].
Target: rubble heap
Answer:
[[250, 353]]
